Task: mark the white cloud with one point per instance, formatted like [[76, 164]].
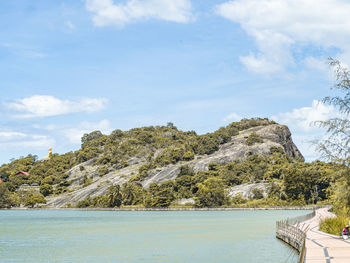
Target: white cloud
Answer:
[[306, 146], [232, 117], [302, 119], [43, 106], [318, 64], [7, 135], [74, 134], [18, 140], [107, 13], [301, 123], [278, 25]]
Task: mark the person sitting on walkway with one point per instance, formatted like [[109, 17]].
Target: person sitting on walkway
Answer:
[[345, 232]]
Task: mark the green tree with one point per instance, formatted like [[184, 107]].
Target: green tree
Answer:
[[162, 198], [114, 196], [87, 137], [160, 195], [103, 170], [46, 189], [211, 193], [257, 193], [132, 193], [335, 146], [7, 199], [254, 138], [239, 199], [183, 186], [185, 170], [188, 156], [5, 173], [35, 198]]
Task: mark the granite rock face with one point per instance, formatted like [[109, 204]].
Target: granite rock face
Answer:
[[237, 148], [246, 190], [273, 135]]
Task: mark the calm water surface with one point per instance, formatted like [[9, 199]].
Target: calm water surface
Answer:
[[150, 236]]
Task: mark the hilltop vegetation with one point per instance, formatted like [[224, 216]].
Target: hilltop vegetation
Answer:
[[119, 149], [291, 181]]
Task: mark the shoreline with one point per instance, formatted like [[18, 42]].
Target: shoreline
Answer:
[[173, 208]]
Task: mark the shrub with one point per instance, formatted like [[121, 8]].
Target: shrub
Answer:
[[239, 199], [257, 193], [188, 156], [185, 170], [103, 170], [84, 203], [211, 193], [86, 181], [34, 199], [132, 193], [254, 138], [113, 198], [48, 180], [46, 189], [65, 183], [334, 225], [60, 190], [162, 198], [7, 199], [213, 166], [135, 178], [275, 149]]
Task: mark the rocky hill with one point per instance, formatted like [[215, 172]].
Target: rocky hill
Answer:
[[259, 140]]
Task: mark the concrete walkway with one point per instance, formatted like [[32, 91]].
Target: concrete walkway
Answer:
[[322, 247]]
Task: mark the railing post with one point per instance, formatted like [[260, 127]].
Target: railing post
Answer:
[[292, 232]]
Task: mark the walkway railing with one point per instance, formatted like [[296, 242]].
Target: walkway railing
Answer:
[[293, 232]]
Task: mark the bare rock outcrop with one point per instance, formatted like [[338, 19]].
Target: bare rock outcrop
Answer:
[[246, 190], [273, 135], [99, 186], [237, 148]]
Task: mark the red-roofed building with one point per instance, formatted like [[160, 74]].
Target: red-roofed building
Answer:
[[0, 181], [21, 172]]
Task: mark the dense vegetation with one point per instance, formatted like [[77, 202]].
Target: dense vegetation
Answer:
[[290, 181], [156, 146]]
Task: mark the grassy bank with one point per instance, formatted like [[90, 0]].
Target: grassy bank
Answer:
[[335, 225]]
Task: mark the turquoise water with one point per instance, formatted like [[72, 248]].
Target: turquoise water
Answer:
[[147, 236]]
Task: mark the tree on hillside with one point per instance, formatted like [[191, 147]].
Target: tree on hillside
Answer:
[[87, 137], [7, 199], [211, 193], [114, 196], [46, 189], [34, 198]]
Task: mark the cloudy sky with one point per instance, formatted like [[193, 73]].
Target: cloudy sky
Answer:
[[68, 67]]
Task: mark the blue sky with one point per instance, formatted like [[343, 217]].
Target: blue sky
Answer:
[[73, 66]]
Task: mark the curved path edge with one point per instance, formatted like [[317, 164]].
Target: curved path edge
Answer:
[[323, 247]]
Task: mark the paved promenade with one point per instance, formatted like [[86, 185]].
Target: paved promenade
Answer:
[[322, 247]]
